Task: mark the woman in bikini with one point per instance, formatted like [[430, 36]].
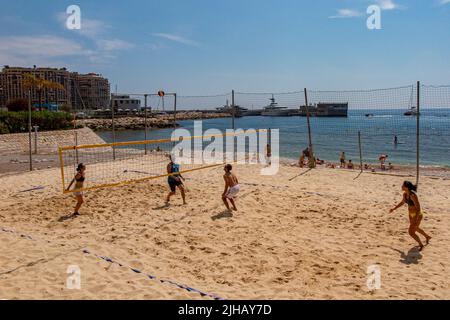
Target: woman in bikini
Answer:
[[79, 181], [175, 180], [415, 213]]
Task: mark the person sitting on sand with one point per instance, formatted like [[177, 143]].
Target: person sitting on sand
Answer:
[[301, 161], [319, 161], [382, 159], [342, 159], [390, 167], [268, 155], [79, 181], [415, 213], [175, 180], [350, 165], [306, 153], [232, 187]]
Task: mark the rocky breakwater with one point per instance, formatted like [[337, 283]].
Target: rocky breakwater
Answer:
[[153, 122]]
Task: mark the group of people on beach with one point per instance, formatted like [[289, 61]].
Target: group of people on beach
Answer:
[[176, 180], [231, 189], [344, 164]]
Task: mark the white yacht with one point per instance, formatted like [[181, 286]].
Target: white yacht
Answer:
[[273, 110], [229, 109]]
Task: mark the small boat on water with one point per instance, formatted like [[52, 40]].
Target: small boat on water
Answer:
[[411, 112], [238, 111], [274, 110], [252, 112], [326, 110]]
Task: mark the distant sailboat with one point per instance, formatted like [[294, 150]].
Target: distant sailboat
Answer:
[[238, 111], [411, 112]]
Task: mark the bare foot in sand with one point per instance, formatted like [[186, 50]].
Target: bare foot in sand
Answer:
[[428, 239], [235, 209], [420, 247]]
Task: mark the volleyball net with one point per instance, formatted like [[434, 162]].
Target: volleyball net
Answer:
[[123, 163]]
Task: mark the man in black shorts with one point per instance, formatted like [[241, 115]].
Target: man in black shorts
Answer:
[[175, 180]]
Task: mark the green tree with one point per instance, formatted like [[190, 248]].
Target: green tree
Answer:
[[33, 82]]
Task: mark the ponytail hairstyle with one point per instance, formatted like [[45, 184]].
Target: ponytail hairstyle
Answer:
[[410, 186], [79, 167]]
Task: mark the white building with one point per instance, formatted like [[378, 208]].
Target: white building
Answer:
[[124, 102]]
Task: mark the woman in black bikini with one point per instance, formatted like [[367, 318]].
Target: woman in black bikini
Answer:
[[415, 213], [79, 181], [175, 181]]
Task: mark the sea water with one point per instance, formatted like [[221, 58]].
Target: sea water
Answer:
[[331, 136]]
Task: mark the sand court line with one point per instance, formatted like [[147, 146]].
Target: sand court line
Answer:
[[32, 189], [104, 258]]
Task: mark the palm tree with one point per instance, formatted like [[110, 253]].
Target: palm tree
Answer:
[[55, 87], [31, 81]]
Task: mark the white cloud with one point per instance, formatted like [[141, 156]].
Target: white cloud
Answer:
[[89, 28], [176, 38], [96, 32], [383, 4], [156, 46], [114, 44], [49, 50], [388, 5], [28, 50], [346, 13], [444, 2]]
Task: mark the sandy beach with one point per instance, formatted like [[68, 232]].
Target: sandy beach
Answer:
[[308, 236]]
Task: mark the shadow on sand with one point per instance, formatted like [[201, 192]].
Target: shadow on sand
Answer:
[[223, 215], [164, 206], [300, 174], [71, 216], [412, 257]]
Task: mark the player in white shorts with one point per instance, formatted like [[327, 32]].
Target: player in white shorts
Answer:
[[232, 187]]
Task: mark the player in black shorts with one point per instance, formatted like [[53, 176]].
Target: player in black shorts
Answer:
[[175, 179]]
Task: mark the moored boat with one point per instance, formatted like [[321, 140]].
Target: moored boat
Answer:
[[274, 110]]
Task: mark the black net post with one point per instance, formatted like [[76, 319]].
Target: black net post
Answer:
[[113, 128], [311, 159], [418, 135], [174, 111], [145, 121], [360, 151], [233, 111], [29, 130]]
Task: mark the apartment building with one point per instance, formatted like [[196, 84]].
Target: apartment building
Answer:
[[90, 91]]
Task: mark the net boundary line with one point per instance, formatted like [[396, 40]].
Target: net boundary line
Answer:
[[128, 182], [86, 251], [144, 142]]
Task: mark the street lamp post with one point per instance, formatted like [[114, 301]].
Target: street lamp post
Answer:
[[1, 94], [35, 139], [29, 130]]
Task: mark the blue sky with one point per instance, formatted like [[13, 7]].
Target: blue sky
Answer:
[[211, 46]]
